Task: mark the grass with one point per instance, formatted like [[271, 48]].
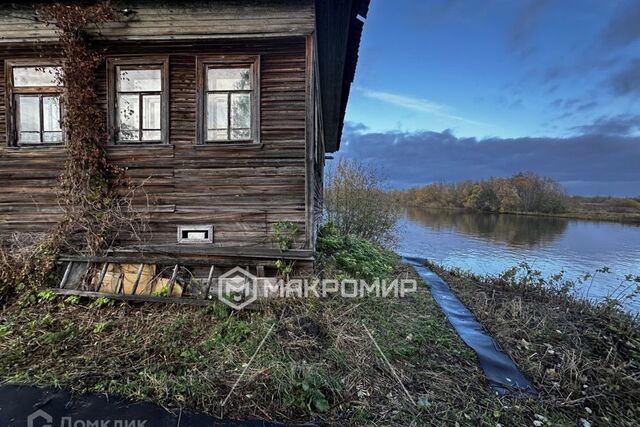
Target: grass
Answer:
[[583, 357], [605, 208], [319, 365]]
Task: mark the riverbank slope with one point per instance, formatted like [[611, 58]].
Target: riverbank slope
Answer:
[[318, 363], [584, 358]]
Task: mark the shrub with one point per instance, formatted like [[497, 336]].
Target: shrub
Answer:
[[357, 204], [354, 256]]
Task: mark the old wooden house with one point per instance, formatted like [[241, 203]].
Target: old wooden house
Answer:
[[224, 108]]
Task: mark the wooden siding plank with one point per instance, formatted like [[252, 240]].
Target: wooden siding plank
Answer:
[[186, 20]]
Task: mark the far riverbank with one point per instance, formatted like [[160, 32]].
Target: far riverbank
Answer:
[[609, 216]]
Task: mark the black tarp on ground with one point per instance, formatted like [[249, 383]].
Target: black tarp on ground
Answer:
[[502, 373], [19, 402]]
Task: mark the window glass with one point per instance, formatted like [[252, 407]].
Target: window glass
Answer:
[[129, 115], [37, 113], [28, 113], [228, 79], [139, 104], [228, 104], [35, 76], [51, 113], [139, 80], [52, 131], [151, 110], [151, 135], [240, 116], [217, 116]]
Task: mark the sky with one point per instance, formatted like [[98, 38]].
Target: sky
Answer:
[[448, 90]]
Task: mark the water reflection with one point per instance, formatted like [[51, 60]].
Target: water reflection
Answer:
[[492, 243], [514, 230]]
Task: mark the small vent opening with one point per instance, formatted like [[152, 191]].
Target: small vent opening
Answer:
[[195, 234]]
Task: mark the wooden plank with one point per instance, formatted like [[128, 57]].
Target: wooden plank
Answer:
[[134, 298], [209, 282], [178, 20], [103, 272], [171, 254], [65, 277], [135, 283], [172, 282]]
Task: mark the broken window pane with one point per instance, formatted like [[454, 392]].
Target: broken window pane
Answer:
[[139, 80], [36, 76], [129, 116], [228, 79]]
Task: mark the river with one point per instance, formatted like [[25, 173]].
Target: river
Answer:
[[491, 243]]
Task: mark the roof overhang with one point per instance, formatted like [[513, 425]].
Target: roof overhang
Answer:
[[339, 26]]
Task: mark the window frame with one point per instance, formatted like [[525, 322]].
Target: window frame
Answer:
[[203, 63], [141, 62], [11, 107]]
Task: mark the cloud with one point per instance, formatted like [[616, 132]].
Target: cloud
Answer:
[[624, 124], [415, 104], [585, 164], [569, 107], [627, 80], [524, 26], [624, 27]]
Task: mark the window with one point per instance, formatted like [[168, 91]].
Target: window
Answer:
[[228, 110], [34, 104], [138, 103]]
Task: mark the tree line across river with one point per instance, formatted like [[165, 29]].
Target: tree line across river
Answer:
[[522, 192]]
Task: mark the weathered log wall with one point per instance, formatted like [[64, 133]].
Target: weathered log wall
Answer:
[[242, 191]]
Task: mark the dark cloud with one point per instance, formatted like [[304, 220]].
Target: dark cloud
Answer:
[[586, 106], [586, 164], [624, 27], [568, 107], [524, 26], [627, 80], [624, 125]]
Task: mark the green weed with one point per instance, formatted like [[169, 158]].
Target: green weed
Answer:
[[102, 302]]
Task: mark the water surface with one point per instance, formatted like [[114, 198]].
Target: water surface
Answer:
[[491, 243]]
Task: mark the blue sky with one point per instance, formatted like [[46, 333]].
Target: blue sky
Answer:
[[468, 76]]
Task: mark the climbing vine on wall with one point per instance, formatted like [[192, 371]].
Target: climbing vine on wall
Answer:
[[95, 197], [87, 183]]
